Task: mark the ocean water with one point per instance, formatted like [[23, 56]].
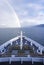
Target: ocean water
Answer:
[[35, 33]]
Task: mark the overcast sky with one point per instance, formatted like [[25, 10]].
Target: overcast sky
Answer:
[[29, 12]]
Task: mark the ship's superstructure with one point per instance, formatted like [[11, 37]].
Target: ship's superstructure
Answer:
[[21, 48]]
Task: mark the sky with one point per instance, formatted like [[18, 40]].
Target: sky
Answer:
[[21, 13]]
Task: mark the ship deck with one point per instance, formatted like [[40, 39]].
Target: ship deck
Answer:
[[27, 50]]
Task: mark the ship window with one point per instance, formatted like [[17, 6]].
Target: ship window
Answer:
[[38, 50], [43, 52], [2, 50]]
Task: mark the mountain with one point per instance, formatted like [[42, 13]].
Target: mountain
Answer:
[[41, 25]]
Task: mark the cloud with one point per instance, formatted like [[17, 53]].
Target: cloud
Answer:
[[29, 12], [35, 14], [8, 17], [35, 6], [23, 13], [30, 21]]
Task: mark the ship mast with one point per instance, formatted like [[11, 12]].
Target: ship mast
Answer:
[[21, 43]]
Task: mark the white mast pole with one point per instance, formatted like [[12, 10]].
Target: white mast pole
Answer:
[[21, 43]]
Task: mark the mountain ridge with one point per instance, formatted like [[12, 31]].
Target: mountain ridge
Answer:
[[40, 25]]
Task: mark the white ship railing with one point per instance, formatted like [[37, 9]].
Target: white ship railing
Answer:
[[14, 59]]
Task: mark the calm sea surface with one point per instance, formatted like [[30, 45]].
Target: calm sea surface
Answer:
[[35, 33]]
